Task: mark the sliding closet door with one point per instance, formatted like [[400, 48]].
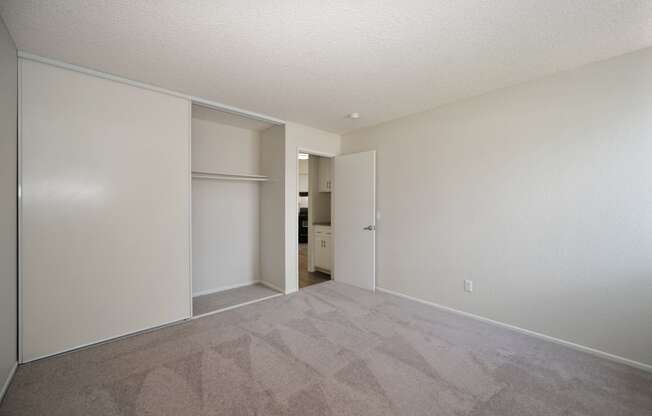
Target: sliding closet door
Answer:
[[105, 209]]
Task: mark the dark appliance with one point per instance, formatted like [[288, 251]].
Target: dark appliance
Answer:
[[303, 225]]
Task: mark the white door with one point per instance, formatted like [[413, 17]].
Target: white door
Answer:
[[354, 219], [105, 209]]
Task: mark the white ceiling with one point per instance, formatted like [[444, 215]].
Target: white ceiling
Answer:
[[313, 62]]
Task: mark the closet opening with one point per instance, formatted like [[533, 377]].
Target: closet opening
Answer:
[[315, 237], [227, 185]]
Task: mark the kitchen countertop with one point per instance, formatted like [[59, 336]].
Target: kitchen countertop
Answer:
[[325, 224]]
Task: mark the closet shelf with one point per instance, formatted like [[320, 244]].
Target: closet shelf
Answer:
[[228, 176]]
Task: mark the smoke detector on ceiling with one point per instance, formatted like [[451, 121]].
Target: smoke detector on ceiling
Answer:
[[354, 116]]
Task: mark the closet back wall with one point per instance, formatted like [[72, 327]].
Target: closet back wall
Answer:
[[225, 213]]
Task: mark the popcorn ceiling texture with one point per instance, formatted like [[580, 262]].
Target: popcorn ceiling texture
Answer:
[[314, 62]]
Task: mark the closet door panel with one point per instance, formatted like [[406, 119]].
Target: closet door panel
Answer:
[[105, 209]]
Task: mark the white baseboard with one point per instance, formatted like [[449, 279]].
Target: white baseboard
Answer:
[[107, 340], [272, 286], [7, 382], [228, 308], [223, 288], [578, 347], [325, 271]]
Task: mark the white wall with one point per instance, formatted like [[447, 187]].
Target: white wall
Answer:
[[225, 214], [272, 207], [310, 140], [8, 250], [541, 194], [105, 209], [218, 147]]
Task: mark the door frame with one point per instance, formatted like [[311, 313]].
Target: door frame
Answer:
[[312, 152]]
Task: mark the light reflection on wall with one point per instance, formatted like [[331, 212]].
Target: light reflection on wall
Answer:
[[69, 190]]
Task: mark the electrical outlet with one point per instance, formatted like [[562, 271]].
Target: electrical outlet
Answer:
[[468, 285]]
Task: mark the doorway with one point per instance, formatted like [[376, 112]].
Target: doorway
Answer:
[[314, 232], [227, 181]]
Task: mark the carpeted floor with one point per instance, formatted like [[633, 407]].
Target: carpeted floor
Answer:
[[227, 298], [330, 349]]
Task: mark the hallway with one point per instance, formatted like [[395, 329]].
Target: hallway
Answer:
[[307, 278]]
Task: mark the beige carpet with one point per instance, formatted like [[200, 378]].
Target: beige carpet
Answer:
[[227, 298], [329, 350]]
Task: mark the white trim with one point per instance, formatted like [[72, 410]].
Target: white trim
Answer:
[[20, 212], [110, 339], [374, 217], [229, 176], [237, 111], [98, 74], [578, 347], [189, 173], [228, 308], [271, 286], [194, 100], [301, 149], [223, 288], [319, 269], [7, 382]]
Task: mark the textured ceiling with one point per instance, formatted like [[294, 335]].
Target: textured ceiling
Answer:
[[313, 62]]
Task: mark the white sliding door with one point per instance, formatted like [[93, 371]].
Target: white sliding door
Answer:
[[105, 209]]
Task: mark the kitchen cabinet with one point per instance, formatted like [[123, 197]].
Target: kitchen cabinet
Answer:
[[325, 177], [323, 248]]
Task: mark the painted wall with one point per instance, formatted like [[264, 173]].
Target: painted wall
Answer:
[[105, 209], [225, 214], [541, 194], [8, 249], [299, 137], [218, 147], [272, 207]]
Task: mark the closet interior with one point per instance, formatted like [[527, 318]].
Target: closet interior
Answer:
[[227, 185]]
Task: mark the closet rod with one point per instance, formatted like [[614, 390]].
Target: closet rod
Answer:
[[229, 176]]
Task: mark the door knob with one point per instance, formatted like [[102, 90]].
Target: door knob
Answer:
[[369, 228]]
